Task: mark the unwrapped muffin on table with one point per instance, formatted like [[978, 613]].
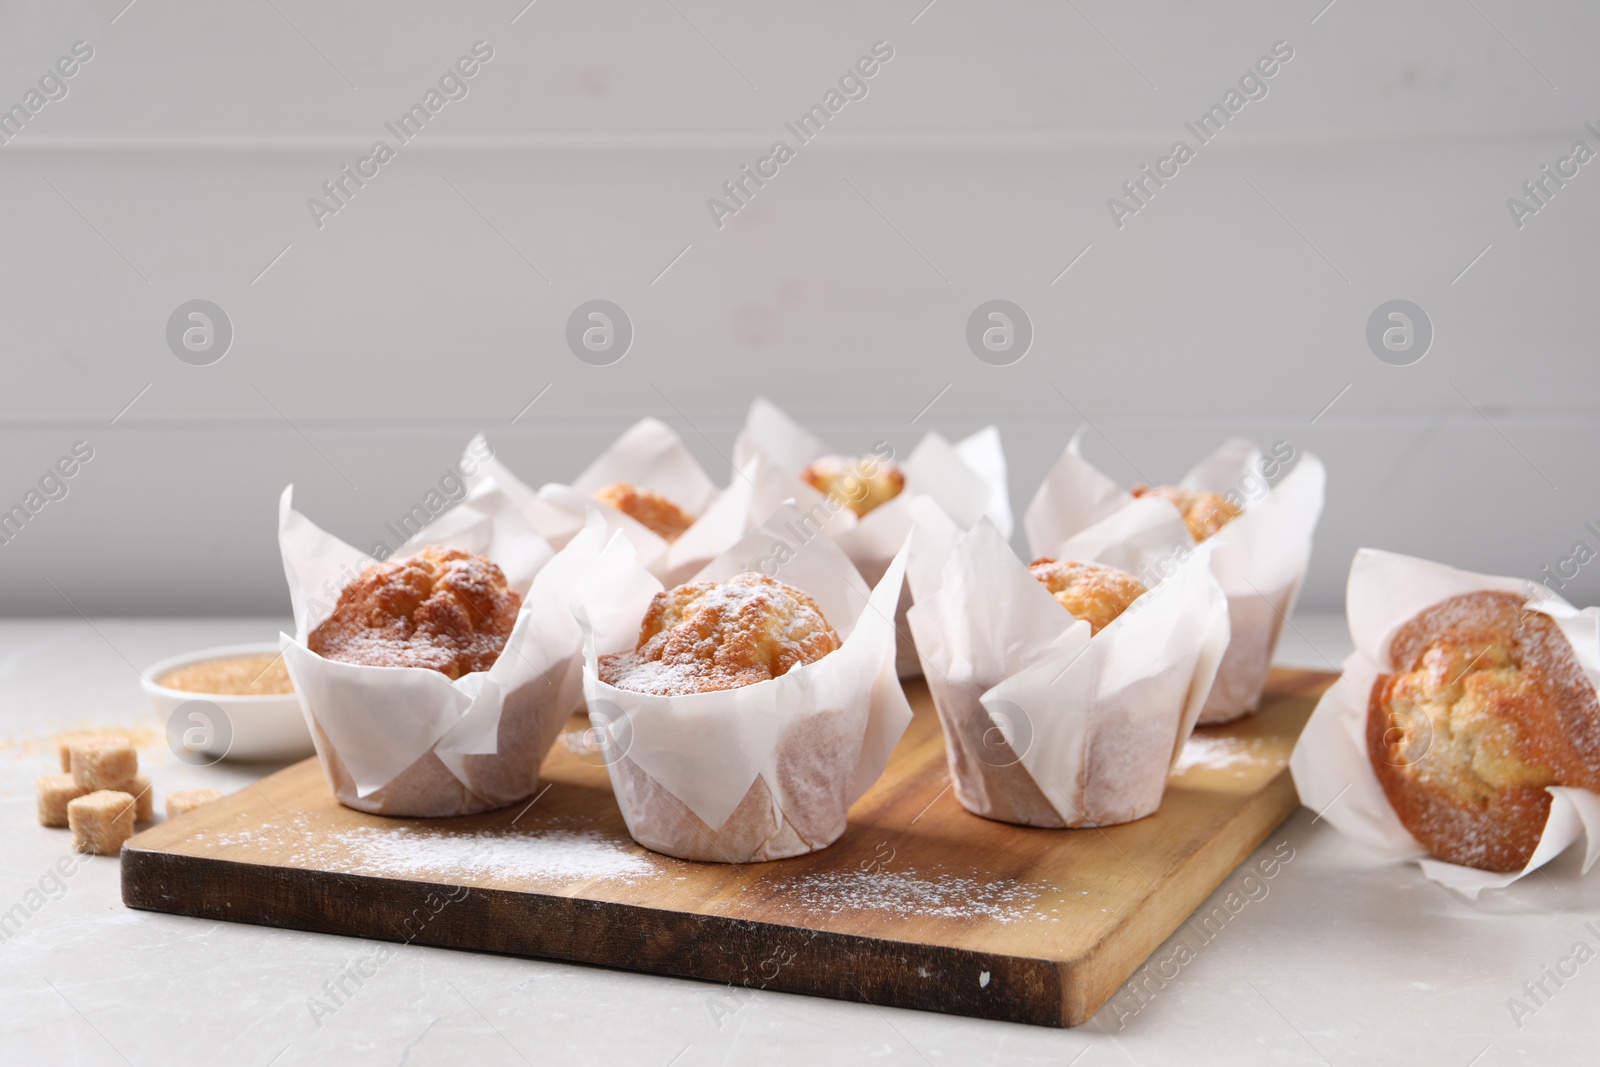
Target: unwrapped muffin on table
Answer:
[[1487, 707], [1465, 727]]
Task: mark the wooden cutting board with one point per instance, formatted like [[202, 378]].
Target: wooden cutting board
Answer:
[[919, 905]]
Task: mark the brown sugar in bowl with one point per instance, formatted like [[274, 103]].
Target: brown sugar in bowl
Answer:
[[217, 703]]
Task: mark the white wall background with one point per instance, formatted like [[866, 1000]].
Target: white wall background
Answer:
[[434, 305]]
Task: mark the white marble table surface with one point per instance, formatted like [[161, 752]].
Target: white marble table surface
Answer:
[[1339, 959]]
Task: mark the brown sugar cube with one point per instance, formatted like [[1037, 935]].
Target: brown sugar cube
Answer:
[[101, 821], [104, 763], [65, 743], [144, 799], [55, 792], [186, 800]]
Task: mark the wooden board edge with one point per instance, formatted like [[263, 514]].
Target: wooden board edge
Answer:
[[736, 953], [1090, 982]]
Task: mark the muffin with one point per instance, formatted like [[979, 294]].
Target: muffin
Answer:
[[1048, 723], [861, 482], [442, 609], [1487, 707], [702, 643], [1092, 592], [1203, 513], [652, 511], [705, 636]]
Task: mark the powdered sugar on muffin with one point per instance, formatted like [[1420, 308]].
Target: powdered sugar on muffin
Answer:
[[442, 609], [708, 636], [1090, 591]]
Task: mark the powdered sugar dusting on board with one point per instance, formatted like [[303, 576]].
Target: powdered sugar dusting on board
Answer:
[[565, 856], [904, 893], [1237, 754]]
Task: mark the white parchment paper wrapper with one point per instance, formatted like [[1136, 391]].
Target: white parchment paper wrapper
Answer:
[[966, 479], [1331, 767], [1044, 724], [1260, 557], [555, 524], [767, 770], [649, 455], [409, 741]]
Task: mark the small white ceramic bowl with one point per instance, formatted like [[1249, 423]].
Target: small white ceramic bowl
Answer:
[[251, 727]]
